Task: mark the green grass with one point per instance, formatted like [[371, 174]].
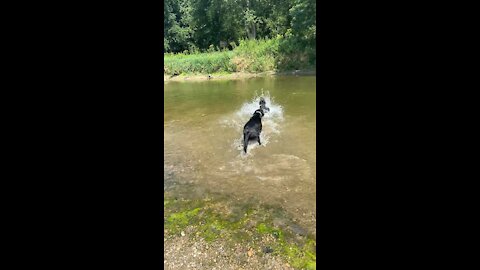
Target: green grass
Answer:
[[253, 56], [201, 63]]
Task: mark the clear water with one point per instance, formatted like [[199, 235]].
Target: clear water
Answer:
[[203, 134]]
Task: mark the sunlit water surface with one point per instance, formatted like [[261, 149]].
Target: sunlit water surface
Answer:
[[203, 150]]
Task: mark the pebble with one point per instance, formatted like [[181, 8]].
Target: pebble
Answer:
[[183, 233], [267, 250]]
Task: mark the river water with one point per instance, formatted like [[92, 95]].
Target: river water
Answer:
[[203, 153]]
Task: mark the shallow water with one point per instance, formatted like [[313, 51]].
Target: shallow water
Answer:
[[203, 153]]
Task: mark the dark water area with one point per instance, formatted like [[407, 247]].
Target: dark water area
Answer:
[[203, 153]]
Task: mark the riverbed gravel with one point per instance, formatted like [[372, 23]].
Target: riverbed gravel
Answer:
[[186, 251]]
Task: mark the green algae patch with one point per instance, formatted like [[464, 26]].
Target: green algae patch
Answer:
[[262, 228], [178, 221], [277, 233], [182, 218], [299, 257], [252, 226]]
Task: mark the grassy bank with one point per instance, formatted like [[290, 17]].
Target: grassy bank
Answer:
[[250, 56]]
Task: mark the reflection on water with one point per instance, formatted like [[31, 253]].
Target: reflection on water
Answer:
[[203, 124]]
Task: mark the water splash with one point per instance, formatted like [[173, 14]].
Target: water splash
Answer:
[[270, 122]]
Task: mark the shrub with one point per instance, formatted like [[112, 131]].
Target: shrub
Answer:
[[279, 53]]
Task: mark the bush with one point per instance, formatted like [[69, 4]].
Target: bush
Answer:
[[257, 55], [279, 53], [199, 63]]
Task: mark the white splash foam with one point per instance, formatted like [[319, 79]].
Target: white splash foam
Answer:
[[275, 113], [270, 122]]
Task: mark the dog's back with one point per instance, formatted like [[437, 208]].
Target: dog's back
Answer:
[[252, 129]]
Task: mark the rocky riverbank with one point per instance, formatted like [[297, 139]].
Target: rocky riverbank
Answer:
[[217, 234]]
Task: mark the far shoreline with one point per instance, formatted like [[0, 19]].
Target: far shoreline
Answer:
[[234, 76]]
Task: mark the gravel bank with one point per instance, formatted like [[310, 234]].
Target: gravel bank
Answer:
[[190, 252]]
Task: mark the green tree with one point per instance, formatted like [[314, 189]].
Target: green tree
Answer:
[[303, 13], [177, 30], [213, 23]]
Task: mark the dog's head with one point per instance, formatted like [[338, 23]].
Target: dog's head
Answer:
[[263, 105], [260, 112]]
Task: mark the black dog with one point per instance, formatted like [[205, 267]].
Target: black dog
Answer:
[[262, 105], [253, 127]]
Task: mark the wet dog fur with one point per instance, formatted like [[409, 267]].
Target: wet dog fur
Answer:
[[253, 127]]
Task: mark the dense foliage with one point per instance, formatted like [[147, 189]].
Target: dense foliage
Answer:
[[253, 56], [207, 25]]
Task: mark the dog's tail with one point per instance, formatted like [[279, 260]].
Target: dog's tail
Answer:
[[245, 141]]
